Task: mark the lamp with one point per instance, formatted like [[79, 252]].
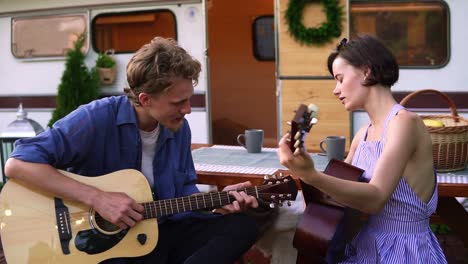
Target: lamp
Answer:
[[22, 127]]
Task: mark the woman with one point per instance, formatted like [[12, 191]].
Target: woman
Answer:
[[395, 150]]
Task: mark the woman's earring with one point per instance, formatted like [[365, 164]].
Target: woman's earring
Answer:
[[365, 77]]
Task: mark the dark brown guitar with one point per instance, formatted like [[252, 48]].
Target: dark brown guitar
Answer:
[[324, 220]]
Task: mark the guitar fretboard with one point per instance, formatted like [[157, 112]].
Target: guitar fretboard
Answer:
[[160, 208]]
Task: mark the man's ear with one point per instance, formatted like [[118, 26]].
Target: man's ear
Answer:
[[144, 99]]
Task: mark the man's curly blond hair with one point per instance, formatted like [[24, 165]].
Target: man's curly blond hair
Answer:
[[151, 68]]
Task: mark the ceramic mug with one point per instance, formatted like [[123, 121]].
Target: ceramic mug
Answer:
[[252, 140], [334, 147]]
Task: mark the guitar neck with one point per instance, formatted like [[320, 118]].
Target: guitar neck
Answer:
[[161, 208]]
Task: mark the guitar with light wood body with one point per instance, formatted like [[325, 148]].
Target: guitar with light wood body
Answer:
[[39, 228]]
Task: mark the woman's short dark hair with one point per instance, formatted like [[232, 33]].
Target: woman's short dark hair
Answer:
[[367, 52]]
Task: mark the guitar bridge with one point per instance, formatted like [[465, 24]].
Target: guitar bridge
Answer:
[[62, 217]]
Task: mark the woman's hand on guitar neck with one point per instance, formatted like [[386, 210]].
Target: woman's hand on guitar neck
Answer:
[[118, 208], [243, 200], [300, 164]]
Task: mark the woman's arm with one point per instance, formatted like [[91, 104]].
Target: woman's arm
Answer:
[[367, 197]]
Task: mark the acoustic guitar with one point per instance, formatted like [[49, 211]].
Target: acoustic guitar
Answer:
[[324, 220], [39, 228]]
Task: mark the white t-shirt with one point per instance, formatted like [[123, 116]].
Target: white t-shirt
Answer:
[[148, 144]]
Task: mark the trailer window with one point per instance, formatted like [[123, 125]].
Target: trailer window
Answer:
[[127, 32], [46, 36], [264, 38], [416, 31]]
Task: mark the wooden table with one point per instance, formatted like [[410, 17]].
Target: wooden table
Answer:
[[449, 209]]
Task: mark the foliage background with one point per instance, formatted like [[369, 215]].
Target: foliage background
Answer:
[[105, 61], [79, 85]]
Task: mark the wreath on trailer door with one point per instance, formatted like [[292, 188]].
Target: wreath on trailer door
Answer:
[[314, 35]]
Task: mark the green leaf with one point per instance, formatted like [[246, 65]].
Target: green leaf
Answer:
[[78, 85], [105, 61]]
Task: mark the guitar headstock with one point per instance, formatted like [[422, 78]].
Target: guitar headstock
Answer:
[[304, 118], [277, 190]]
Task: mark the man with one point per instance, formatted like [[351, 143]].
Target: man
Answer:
[[145, 130]]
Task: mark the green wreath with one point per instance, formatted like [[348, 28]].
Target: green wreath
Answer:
[[320, 35]]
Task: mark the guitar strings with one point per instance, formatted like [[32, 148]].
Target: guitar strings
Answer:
[[160, 208], [200, 201]]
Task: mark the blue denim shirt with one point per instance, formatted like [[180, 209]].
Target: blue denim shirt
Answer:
[[102, 137]]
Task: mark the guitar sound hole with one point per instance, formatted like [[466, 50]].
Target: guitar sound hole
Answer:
[[106, 225], [102, 225]]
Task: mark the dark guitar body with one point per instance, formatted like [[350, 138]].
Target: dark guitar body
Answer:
[[326, 226]]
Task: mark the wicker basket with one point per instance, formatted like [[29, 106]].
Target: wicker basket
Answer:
[[449, 143]]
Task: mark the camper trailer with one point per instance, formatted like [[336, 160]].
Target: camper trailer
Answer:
[[255, 72]]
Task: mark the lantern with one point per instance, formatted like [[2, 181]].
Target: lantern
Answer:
[[22, 127]]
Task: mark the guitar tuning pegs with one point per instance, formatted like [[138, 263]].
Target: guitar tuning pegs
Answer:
[[274, 176], [296, 152], [313, 121], [272, 205], [297, 135], [312, 108], [266, 177], [281, 175], [297, 144]]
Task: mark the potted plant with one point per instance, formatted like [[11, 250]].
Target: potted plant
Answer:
[[105, 65]]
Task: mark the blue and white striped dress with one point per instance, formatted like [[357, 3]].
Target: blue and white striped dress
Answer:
[[400, 233]]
